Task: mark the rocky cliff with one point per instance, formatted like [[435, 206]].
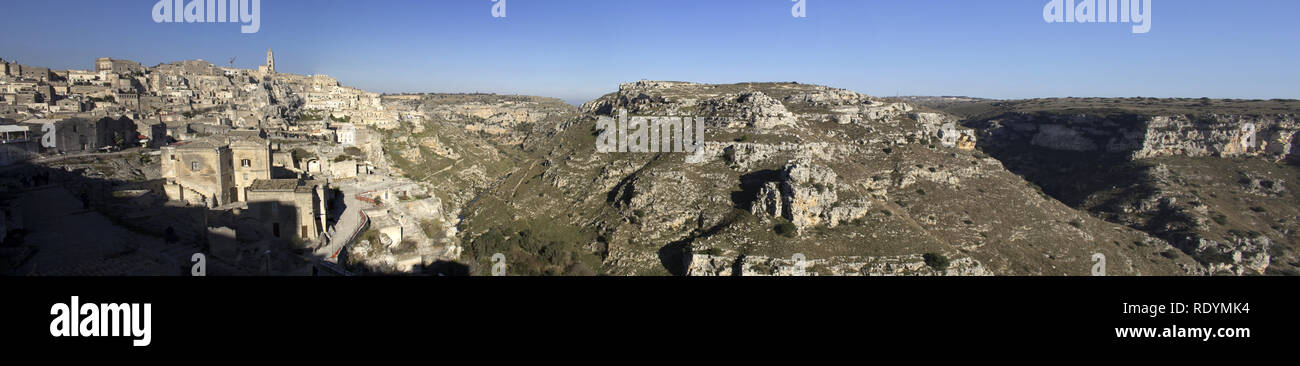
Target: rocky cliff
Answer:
[[854, 184], [1213, 177]]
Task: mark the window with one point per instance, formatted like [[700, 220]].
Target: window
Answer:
[[194, 166], [246, 163]]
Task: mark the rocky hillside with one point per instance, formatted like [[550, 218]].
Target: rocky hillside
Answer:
[[465, 143], [1216, 178], [845, 183]]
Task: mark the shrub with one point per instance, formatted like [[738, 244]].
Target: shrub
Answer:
[[1219, 218], [786, 229], [936, 261]]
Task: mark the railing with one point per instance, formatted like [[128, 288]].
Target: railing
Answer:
[[365, 224], [369, 200]]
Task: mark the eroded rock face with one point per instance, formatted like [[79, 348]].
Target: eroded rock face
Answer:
[[1168, 173], [1141, 137], [1238, 255], [750, 109], [806, 196]]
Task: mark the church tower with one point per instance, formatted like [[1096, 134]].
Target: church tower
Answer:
[[270, 61]]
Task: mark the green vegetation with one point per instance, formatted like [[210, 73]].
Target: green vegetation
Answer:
[[299, 154], [1219, 218], [537, 248], [311, 115], [937, 261], [711, 251], [786, 229]]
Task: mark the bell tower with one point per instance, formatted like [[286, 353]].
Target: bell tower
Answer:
[[270, 61]]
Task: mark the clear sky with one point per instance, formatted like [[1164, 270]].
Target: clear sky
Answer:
[[580, 49]]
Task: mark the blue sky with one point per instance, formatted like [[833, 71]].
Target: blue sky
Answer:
[[580, 49]]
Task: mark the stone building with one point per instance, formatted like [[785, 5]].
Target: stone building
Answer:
[[41, 74], [288, 209], [215, 171], [120, 67], [78, 134], [269, 68], [17, 144]]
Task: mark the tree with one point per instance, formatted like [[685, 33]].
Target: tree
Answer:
[[937, 261]]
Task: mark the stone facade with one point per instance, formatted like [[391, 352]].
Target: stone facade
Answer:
[[288, 209], [216, 171], [120, 67], [79, 134]]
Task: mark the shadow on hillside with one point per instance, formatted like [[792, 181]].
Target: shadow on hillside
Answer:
[[1068, 176], [676, 256], [750, 185], [135, 215]]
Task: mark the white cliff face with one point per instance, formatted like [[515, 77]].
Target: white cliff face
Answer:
[[806, 196], [1210, 135], [1219, 135], [1214, 184]]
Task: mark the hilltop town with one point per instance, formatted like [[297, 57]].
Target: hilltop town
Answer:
[[261, 172]]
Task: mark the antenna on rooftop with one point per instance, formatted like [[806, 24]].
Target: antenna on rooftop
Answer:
[[232, 61]]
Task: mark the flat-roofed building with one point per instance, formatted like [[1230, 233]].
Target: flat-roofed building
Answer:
[[288, 209]]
